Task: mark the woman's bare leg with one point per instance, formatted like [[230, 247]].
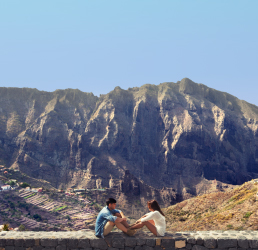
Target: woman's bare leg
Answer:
[[152, 222], [149, 225]]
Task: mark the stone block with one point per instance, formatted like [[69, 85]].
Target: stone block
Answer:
[[50, 248], [9, 248], [29, 242], [62, 241], [2, 243], [37, 248], [158, 242], [9, 242], [242, 242], [141, 242], [98, 243], [151, 242], [253, 243], [112, 248], [61, 247], [198, 247], [84, 243], [88, 248], [130, 242], [180, 244], [188, 246], [128, 248], [157, 248], [19, 242], [147, 247], [226, 243], [199, 241], [168, 243], [232, 248], [73, 243], [118, 243], [191, 240], [48, 242], [209, 242], [19, 248], [138, 248], [37, 242]]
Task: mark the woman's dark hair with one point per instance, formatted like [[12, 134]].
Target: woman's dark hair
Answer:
[[153, 204], [110, 200]]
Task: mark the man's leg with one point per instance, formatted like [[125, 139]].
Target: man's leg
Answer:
[[108, 227], [121, 226], [123, 222]]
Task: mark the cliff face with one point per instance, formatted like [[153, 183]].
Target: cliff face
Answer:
[[171, 135]]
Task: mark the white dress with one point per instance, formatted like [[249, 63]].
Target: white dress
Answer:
[[159, 220]]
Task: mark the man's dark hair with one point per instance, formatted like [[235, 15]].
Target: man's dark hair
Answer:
[[110, 200]]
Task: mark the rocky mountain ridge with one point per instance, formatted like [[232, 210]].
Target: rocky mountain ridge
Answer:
[[174, 135]]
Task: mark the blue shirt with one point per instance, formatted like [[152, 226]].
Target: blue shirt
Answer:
[[104, 216]]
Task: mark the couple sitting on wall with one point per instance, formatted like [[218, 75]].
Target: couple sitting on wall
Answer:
[[109, 217]]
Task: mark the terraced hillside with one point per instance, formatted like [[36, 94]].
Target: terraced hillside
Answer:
[[235, 209], [47, 211]]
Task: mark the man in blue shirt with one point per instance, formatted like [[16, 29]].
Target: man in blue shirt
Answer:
[[109, 217]]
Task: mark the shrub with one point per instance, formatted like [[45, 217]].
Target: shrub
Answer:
[[6, 227], [11, 183], [247, 215], [229, 226], [22, 227], [182, 219], [24, 185], [37, 217], [68, 217], [12, 206]]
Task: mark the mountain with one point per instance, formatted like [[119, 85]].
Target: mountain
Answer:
[[234, 209], [174, 135]]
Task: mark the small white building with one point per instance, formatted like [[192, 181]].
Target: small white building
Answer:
[[6, 187]]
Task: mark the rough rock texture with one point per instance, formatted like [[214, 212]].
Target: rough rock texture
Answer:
[[171, 135], [205, 240]]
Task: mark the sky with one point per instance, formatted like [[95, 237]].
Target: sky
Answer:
[[96, 45]]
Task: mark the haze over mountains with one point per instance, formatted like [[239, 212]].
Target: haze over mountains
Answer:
[[173, 135]]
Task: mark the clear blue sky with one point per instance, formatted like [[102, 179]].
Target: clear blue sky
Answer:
[[95, 45]]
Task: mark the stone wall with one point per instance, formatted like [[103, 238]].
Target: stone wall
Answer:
[[76, 240]]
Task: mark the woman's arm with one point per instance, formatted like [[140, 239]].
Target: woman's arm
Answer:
[[149, 216]]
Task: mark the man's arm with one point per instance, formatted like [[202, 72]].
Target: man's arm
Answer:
[[122, 214], [120, 219]]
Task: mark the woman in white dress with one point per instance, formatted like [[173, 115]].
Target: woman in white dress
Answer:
[[154, 220]]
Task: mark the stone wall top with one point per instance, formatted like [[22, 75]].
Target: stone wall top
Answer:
[[89, 234]]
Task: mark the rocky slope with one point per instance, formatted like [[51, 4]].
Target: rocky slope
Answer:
[[173, 135], [234, 209]]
